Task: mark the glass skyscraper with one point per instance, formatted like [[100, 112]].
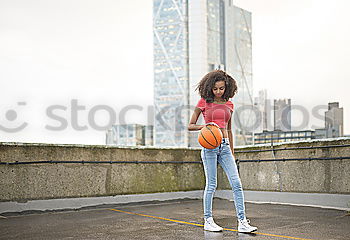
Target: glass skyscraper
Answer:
[[170, 31], [190, 39]]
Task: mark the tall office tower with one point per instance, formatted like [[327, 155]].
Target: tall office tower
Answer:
[[261, 112], [170, 61], [192, 38], [239, 65], [334, 120], [282, 115]]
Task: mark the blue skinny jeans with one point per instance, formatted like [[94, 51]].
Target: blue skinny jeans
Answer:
[[222, 155]]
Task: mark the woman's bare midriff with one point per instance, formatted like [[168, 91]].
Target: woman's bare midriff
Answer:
[[224, 132]]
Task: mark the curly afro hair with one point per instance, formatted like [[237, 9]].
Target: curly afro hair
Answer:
[[207, 83]]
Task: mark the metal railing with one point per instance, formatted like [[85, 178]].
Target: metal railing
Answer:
[[172, 162]]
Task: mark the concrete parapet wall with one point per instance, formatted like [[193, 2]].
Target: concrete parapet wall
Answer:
[[327, 171], [166, 170], [59, 180]]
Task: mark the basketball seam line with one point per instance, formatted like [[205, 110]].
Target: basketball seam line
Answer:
[[217, 143], [207, 140]]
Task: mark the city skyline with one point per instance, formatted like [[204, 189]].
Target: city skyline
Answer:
[[53, 53]]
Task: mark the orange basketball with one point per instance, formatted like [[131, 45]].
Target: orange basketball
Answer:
[[210, 137]]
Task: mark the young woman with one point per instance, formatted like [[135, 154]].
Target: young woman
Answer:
[[215, 89]]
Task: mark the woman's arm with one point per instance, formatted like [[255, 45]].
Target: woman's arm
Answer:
[[192, 125], [230, 136]]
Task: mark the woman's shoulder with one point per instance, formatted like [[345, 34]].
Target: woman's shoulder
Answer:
[[202, 100], [201, 103], [229, 104]]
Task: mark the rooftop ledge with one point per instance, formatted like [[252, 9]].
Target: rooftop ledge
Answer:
[[167, 148]]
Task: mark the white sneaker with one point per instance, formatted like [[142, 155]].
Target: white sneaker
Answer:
[[244, 227], [211, 226]]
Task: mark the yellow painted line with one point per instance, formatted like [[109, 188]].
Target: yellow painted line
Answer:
[[166, 219], [201, 225], [270, 235], [2, 216]]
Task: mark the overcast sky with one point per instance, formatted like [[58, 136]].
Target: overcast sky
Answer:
[[100, 53]]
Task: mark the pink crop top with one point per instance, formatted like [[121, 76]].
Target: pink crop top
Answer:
[[215, 112]]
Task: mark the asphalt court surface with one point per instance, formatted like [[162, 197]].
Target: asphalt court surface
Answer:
[[180, 219]]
